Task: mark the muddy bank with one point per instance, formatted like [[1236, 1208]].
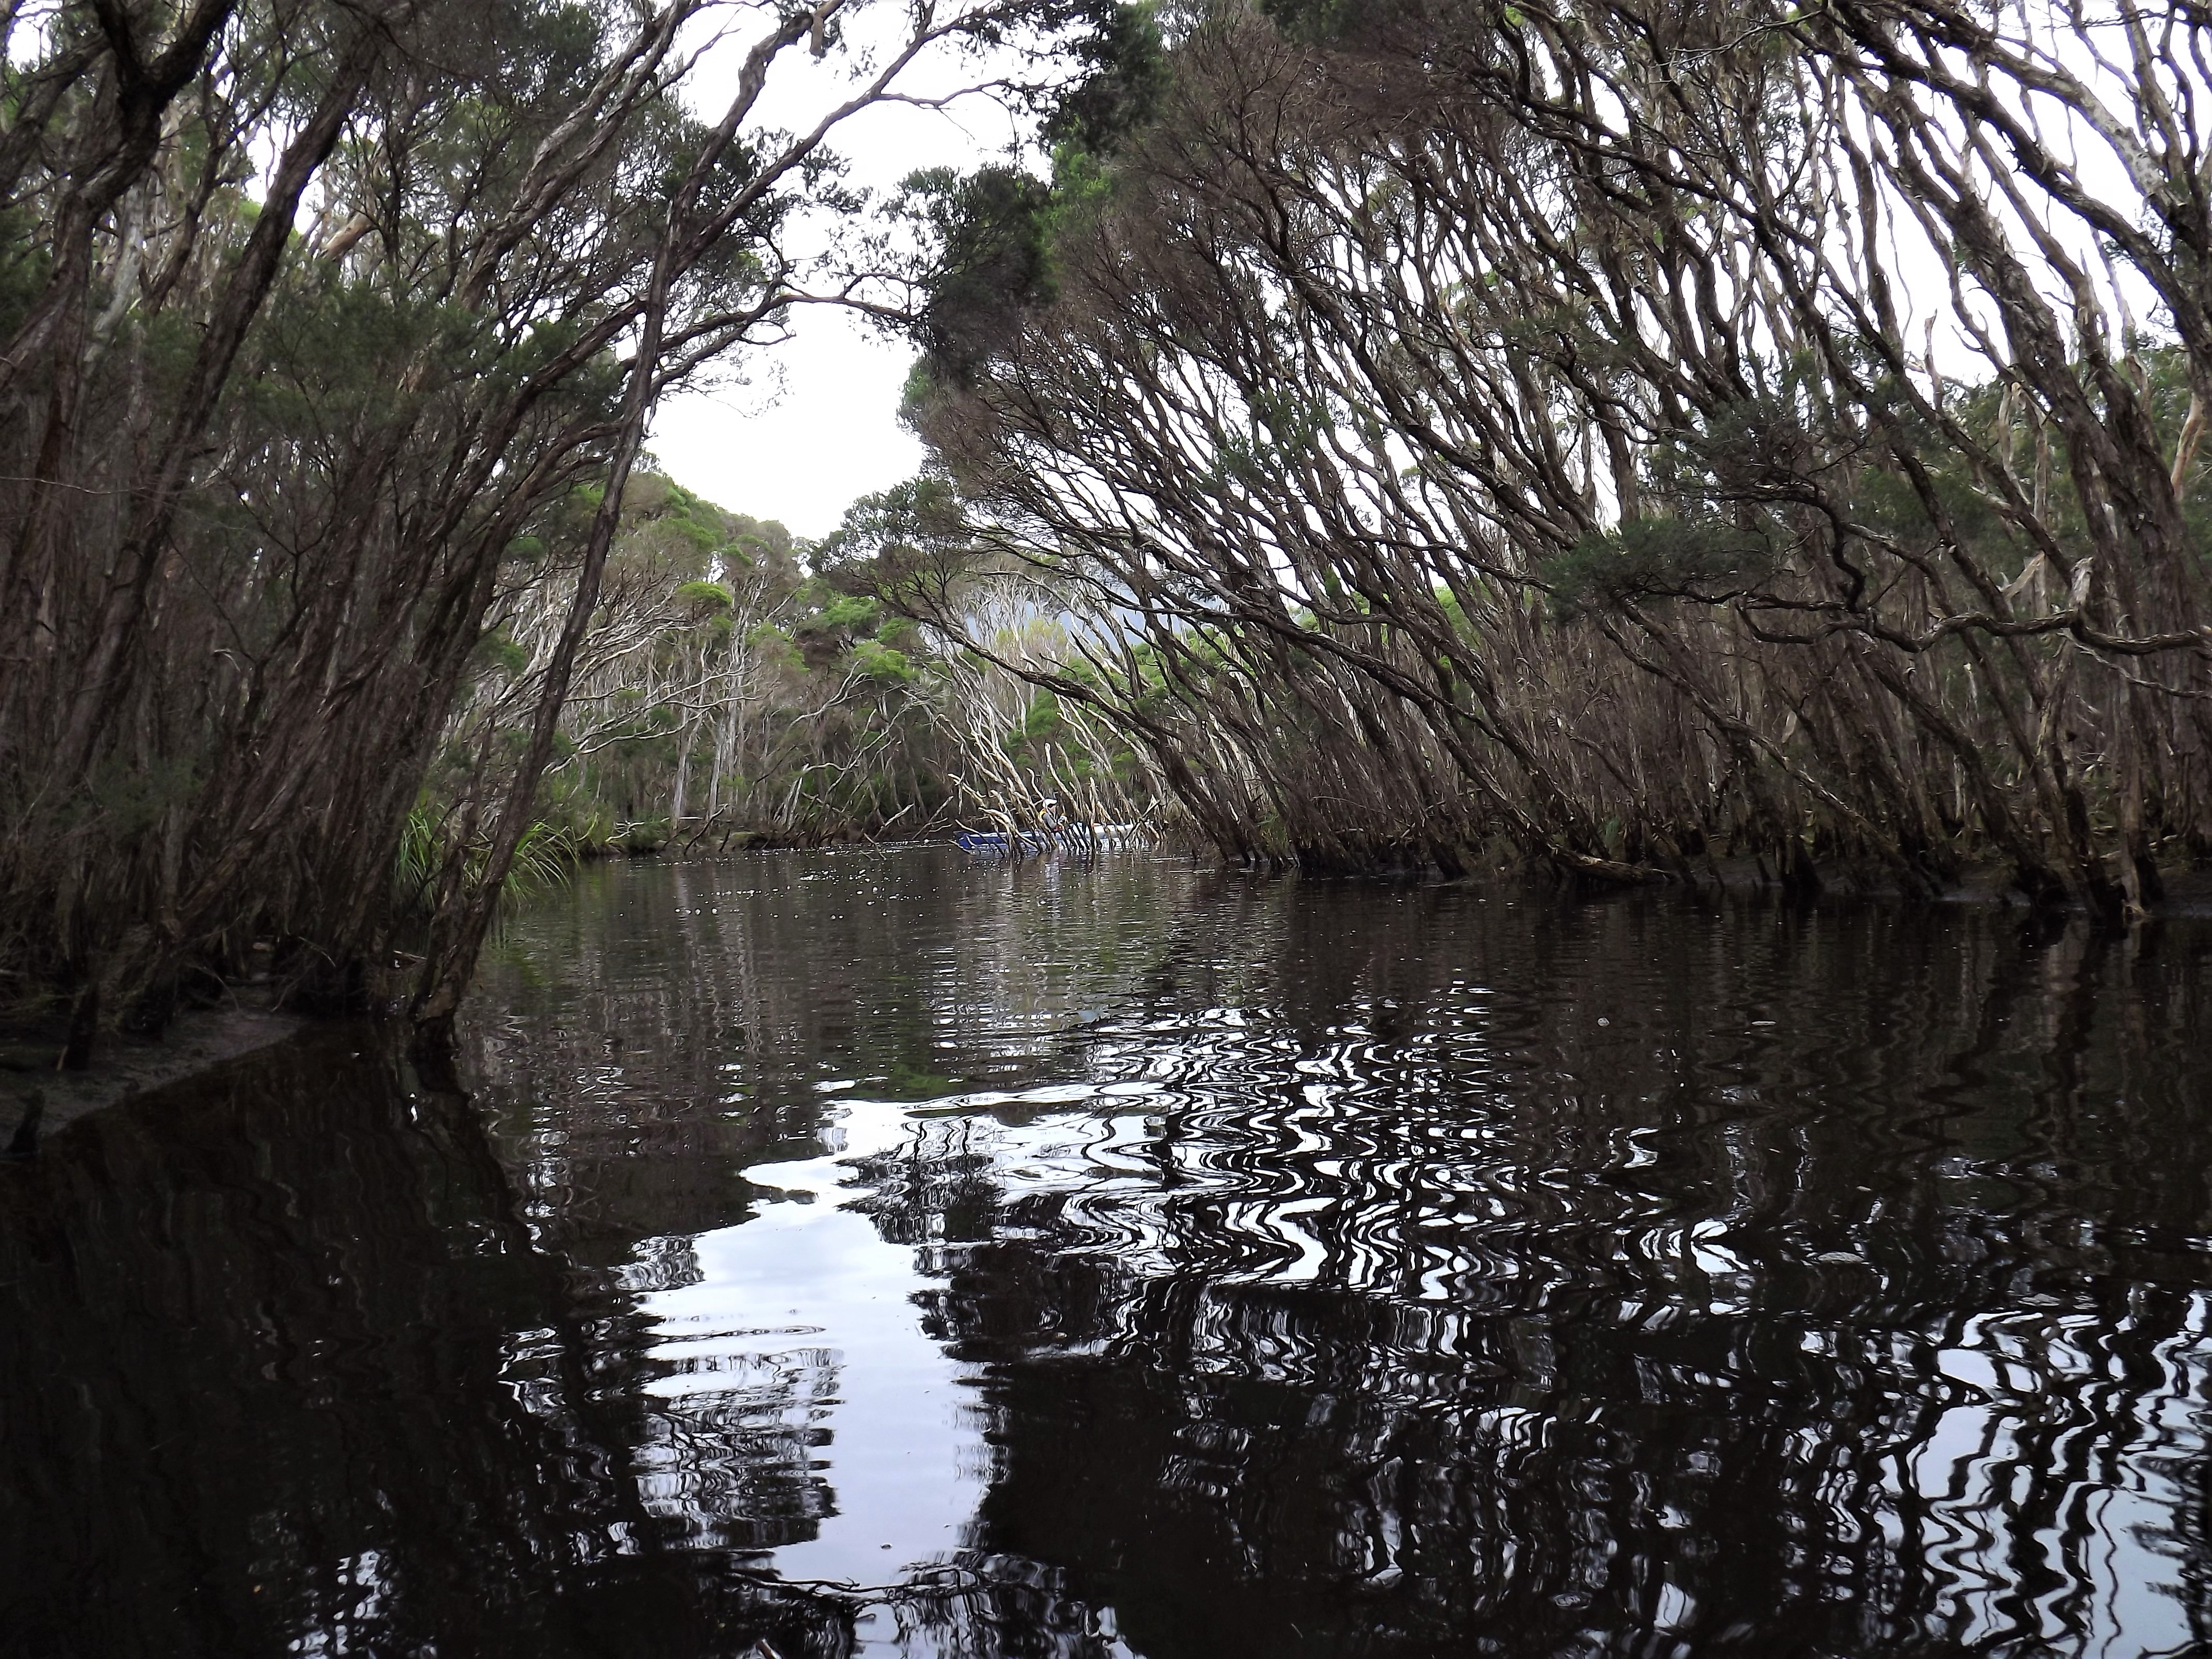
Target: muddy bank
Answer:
[[37, 1098]]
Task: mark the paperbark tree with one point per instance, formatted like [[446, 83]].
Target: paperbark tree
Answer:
[[1639, 433]]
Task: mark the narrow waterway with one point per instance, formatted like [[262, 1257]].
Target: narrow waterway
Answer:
[[883, 1253]]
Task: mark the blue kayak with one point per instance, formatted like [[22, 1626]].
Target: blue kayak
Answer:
[[996, 840]]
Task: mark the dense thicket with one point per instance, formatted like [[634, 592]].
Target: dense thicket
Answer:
[[318, 315], [1628, 436]]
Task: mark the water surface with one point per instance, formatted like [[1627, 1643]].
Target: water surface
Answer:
[[881, 1253]]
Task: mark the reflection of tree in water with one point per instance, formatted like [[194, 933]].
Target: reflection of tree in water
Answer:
[[648, 1037], [299, 1384], [295, 1382], [316, 1370], [1517, 1332], [984, 1607], [732, 1468]]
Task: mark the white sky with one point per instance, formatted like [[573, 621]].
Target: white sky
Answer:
[[801, 454], [797, 433]]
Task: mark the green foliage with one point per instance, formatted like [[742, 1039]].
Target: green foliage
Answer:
[[991, 229], [1657, 558], [878, 661], [1126, 58], [421, 850], [830, 691], [923, 512], [846, 610], [1285, 426], [700, 597], [496, 650], [1042, 723], [994, 229], [543, 859], [705, 526], [1317, 20]]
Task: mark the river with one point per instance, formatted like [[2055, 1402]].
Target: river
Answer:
[[879, 1252]]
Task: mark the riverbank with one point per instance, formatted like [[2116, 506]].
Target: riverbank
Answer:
[[2177, 888], [37, 1098], [2181, 889]]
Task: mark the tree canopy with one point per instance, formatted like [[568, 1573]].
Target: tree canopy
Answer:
[[1641, 439]]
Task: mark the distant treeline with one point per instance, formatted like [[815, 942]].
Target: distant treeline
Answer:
[[1633, 438], [737, 688]]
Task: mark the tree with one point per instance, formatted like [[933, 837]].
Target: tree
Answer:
[[320, 314], [1626, 437]]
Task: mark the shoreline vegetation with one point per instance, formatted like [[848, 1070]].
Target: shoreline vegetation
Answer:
[[1624, 440], [1690, 446], [332, 332]]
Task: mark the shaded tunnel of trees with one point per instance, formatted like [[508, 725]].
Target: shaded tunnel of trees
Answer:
[[1647, 442], [333, 330]]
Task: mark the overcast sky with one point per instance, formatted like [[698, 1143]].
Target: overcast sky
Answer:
[[815, 422], [799, 455]]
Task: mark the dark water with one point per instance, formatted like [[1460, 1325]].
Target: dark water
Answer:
[[879, 1254]]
